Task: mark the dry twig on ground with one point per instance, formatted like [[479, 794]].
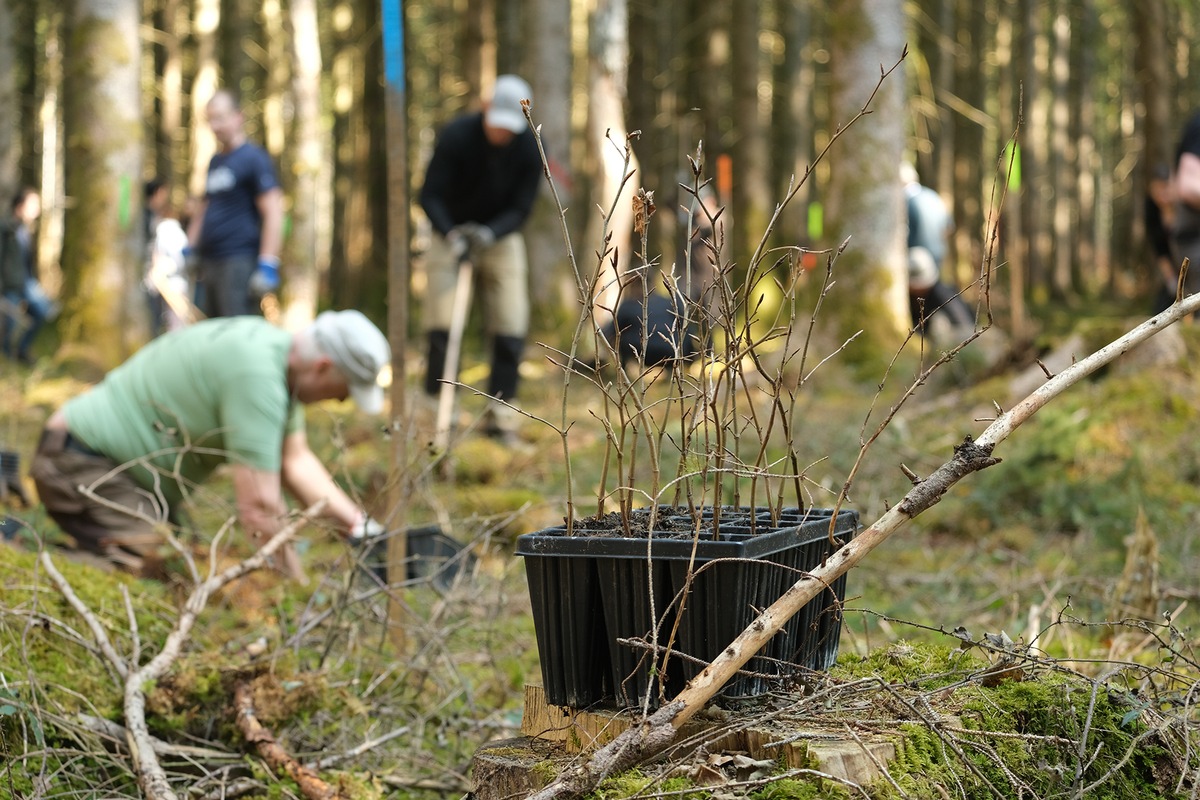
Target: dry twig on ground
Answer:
[[151, 775]]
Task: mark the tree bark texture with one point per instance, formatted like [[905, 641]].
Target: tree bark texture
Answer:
[[278, 759], [11, 126], [866, 201], [103, 239], [306, 247], [206, 17], [751, 202], [551, 287], [607, 139]]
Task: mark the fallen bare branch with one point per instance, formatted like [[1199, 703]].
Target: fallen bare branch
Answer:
[[102, 641], [365, 747], [119, 734], [276, 757], [141, 744]]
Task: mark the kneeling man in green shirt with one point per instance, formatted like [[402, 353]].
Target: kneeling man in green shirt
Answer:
[[114, 463]]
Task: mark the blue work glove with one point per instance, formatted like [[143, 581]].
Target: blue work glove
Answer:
[[266, 276], [190, 260]]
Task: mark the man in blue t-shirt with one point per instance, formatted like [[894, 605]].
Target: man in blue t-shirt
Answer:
[[237, 232]]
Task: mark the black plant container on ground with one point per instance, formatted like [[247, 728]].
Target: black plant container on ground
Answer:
[[596, 587]]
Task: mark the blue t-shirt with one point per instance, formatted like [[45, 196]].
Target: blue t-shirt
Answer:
[[232, 226]]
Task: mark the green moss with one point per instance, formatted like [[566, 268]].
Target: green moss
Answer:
[[1040, 725], [921, 666], [634, 783], [793, 789], [545, 771], [49, 638]]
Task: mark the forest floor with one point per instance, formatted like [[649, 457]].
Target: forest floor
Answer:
[[1029, 557]]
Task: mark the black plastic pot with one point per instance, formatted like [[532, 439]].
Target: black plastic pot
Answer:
[[593, 588], [432, 556]]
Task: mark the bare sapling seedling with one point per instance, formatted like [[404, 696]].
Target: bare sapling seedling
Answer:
[[718, 411]]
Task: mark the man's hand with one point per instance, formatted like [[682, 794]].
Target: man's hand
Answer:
[[480, 235], [475, 235], [266, 276], [365, 529], [291, 565], [458, 242]]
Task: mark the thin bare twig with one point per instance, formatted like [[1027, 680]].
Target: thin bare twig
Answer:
[[151, 776]]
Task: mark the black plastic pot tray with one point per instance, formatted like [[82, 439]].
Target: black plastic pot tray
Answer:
[[736, 539], [592, 588]]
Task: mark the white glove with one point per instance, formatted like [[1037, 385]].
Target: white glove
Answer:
[[366, 529]]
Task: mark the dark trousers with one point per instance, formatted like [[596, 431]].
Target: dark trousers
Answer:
[[118, 523], [223, 286], [505, 361]]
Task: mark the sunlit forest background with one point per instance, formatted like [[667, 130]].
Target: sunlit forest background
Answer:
[[1038, 121], [1069, 104]]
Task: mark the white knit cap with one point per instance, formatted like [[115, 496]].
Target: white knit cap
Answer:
[[358, 349]]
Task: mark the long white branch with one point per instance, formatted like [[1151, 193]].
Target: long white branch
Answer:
[[642, 741]]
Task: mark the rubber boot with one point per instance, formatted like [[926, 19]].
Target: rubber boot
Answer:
[[506, 366], [435, 363], [501, 421]]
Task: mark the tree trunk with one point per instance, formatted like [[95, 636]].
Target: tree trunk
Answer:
[[866, 202], [240, 50], [514, 42], [1012, 243], [1061, 154], [1152, 61], [1090, 266], [706, 87], [971, 147], [1155, 86], [170, 126], [1034, 63], [358, 268], [206, 18], [10, 128], [792, 116], [550, 285], [46, 134], [271, 97], [102, 248], [479, 47], [306, 257], [752, 203], [607, 138]]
